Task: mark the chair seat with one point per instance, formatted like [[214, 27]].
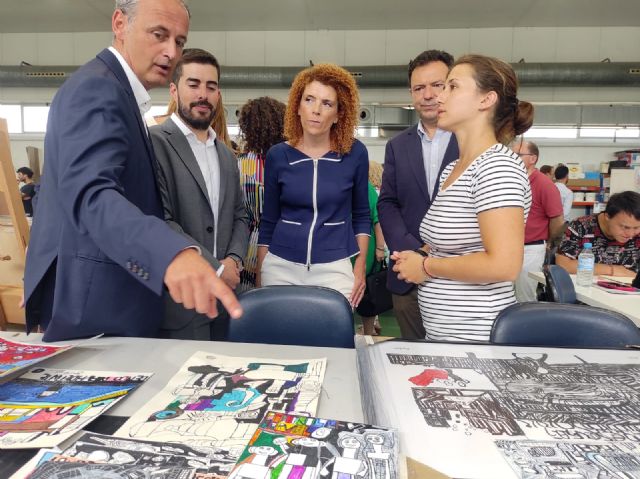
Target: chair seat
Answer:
[[554, 324], [294, 315]]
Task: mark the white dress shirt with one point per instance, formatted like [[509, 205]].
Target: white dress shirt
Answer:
[[209, 163], [143, 99], [566, 195], [433, 150]]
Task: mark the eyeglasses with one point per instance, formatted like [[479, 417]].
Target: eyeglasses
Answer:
[[525, 154]]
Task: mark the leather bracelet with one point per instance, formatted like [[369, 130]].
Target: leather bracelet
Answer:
[[421, 252], [424, 267]]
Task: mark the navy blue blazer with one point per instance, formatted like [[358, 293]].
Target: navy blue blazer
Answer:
[[312, 214], [404, 195], [99, 247]]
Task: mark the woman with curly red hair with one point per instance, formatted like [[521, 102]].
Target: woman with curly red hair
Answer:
[[316, 209]]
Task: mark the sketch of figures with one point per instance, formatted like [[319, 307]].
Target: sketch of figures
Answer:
[[318, 448], [258, 464], [44, 407], [214, 403], [544, 459]]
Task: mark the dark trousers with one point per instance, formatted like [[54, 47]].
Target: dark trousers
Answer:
[[408, 315]]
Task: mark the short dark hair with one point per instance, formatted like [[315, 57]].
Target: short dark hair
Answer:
[[625, 202], [546, 169], [429, 56], [561, 172], [25, 170], [194, 55]]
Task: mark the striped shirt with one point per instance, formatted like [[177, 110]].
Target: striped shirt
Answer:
[[453, 310]]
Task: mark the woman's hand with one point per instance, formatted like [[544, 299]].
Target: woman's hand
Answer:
[[359, 282], [380, 254], [409, 266]]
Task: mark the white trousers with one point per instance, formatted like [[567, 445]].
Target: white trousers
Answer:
[[533, 261], [337, 275]]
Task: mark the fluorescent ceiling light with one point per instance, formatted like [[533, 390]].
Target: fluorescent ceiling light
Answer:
[[551, 133]]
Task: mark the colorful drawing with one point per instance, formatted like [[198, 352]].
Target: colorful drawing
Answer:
[[15, 356], [45, 406], [290, 446], [215, 403]]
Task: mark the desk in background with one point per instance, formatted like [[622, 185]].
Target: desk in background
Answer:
[[629, 305]]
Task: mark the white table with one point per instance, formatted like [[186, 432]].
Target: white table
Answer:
[[629, 305], [340, 397]]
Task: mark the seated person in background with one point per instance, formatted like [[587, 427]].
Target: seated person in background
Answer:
[[614, 234]]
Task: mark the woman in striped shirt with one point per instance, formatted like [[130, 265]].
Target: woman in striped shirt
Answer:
[[474, 230]]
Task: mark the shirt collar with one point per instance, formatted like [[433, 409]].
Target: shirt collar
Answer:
[[143, 99], [423, 133], [187, 131]]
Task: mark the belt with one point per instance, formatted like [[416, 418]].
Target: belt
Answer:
[[534, 242]]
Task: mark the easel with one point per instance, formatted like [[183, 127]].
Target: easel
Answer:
[[14, 237]]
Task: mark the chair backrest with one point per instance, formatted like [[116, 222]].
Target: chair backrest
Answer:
[[560, 288], [554, 324], [296, 315]]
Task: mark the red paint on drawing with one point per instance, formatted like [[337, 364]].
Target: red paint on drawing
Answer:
[[427, 376]]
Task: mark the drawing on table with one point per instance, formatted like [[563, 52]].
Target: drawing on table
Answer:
[[532, 398], [79, 470], [546, 459], [15, 356], [43, 407], [292, 446], [214, 403], [450, 402]]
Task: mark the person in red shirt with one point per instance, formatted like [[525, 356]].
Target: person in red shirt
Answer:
[[545, 220]]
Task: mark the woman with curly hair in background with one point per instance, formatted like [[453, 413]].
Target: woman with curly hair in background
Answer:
[[316, 208], [261, 124]]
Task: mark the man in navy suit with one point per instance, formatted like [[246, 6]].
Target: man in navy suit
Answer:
[[100, 253], [413, 162]]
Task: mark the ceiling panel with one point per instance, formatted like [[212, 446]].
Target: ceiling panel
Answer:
[[28, 16]]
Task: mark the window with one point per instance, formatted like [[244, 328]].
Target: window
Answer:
[[35, 119], [13, 115]]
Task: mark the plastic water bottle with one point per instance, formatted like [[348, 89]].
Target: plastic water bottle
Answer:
[[586, 261]]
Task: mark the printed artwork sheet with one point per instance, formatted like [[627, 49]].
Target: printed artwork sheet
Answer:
[[15, 356], [215, 403], [453, 401], [543, 459], [293, 446], [43, 407]]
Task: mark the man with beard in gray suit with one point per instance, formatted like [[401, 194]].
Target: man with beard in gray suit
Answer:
[[199, 185]]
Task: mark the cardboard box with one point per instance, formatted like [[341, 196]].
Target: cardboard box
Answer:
[[583, 182]]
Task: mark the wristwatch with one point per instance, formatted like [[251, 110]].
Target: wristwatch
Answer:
[[237, 260]]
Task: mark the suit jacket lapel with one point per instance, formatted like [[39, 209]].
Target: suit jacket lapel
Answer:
[[179, 143], [414, 154], [224, 172]]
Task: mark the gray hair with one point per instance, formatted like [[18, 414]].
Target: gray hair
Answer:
[[129, 7]]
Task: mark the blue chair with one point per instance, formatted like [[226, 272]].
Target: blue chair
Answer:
[[296, 315], [560, 287], [554, 324]]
